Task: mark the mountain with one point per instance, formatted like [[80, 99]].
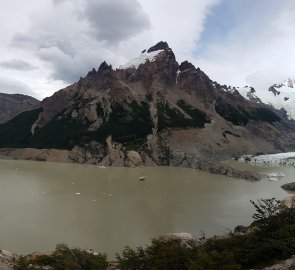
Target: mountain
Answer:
[[280, 96], [13, 104], [151, 111]]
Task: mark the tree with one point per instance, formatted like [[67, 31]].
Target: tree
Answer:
[[266, 211]]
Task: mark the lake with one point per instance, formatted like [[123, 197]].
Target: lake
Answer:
[[105, 209]]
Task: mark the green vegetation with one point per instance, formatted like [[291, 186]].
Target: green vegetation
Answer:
[[231, 113], [171, 117], [60, 133], [264, 114], [16, 132], [128, 123], [199, 117], [239, 116], [64, 258]]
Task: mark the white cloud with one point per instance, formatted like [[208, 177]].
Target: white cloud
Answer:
[[257, 51], [13, 86]]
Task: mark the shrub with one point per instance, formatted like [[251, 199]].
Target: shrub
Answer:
[[64, 258], [266, 211]]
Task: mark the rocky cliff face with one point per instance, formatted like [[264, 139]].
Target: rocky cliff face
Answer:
[[12, 105], [152, 110]]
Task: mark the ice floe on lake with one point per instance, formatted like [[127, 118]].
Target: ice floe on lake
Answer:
[[279, 159]]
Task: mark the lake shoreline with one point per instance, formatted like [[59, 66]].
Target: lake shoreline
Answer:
[[133, 159]]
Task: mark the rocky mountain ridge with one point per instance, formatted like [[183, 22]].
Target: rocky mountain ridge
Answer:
[[13, 104], [152, 110]]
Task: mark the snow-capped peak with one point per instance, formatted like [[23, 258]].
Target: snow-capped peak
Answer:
[[141, 59], [280, 96], [147, 55]]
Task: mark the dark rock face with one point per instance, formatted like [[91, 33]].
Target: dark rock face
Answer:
[[91, 73], [186, 66], [91, 153], [195, 82], [189, 161], [104, 66], [289, 187], [162, 45], [163, 70], [275, 92]]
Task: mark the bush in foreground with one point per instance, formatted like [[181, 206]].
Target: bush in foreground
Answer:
[[64, 258]]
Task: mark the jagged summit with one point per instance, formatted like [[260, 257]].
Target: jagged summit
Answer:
[[162, 45], [104, 66], [148, 55], [151, 55], [92, 72], [186, 66]]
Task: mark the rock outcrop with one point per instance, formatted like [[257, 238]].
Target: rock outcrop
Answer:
[[6, 260], [289, 202], [289, 187]]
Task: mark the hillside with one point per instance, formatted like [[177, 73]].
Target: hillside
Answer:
[[13, 104], [152, 110]]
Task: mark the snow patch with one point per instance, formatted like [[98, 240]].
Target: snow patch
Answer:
[[276, 174], [141, 59]]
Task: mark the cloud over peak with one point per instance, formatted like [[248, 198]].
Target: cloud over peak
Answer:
[[233, 41], [115, 20]]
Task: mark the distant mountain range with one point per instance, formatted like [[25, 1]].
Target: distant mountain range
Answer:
[[154, 110], [280, 96], [12, 105]]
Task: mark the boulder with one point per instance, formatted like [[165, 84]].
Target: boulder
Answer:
[[5, 253], [133, 159], [289, 186], [289, 201]]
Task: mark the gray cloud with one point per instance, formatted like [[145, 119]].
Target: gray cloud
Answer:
[[41, 41], [88, 33], [115, 20], [68, 68], [17, 64]]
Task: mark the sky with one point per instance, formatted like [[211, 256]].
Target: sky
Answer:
[[46, 45]]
